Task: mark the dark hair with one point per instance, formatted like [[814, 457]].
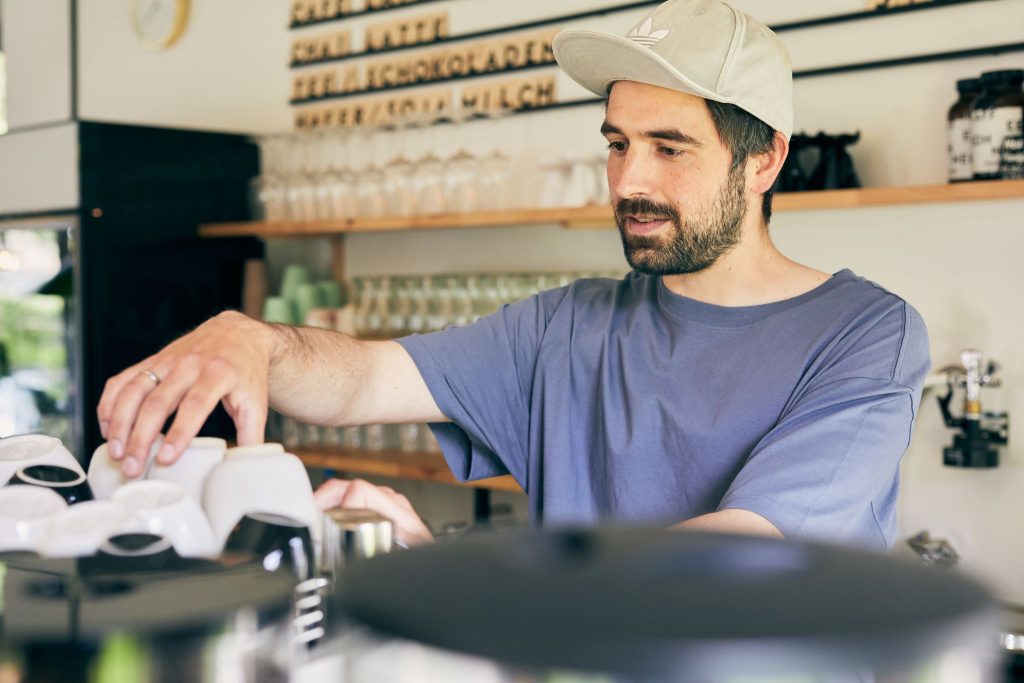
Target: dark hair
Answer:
[[744, 134]]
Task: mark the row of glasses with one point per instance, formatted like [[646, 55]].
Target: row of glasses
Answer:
[[422, 166], [386, 307]]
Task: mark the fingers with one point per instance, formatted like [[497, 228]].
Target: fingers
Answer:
[[330, 494], [133, 390], [156, 407], [250, 417], [217, 379], [111, 392], [409, 528]]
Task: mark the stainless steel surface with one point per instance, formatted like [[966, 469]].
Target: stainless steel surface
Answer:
[[352, 535]]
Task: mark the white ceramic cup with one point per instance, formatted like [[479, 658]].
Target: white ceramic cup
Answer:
[[105, 473], [26, 513], [25, 450], [190, 470], [267, 480], [81, 529], [255, 451], [166, 509]]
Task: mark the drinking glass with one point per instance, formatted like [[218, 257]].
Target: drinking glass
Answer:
[[460, 171], [369, 174], [267, 190], [429, 171], [399, 188], [495, 167], [335, 190]]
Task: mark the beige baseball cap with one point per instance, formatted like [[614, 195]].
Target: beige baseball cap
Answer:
[[701, 47]]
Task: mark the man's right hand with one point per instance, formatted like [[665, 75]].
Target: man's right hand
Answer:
[[409, 528], [226, 359]]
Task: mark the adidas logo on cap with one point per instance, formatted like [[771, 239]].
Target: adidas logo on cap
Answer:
[[645, 37]]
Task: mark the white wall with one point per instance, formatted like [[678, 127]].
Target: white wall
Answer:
[[228, 71], [37, 42], [39, 169]]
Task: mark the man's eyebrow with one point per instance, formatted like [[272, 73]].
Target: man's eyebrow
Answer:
[[671, 135], [609, 129]]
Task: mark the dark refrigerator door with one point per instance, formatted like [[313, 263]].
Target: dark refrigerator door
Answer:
[[146, 276]]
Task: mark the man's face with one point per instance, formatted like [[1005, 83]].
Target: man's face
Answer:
[[678, 205]]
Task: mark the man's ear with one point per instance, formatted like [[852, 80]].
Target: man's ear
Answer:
[[764, 168]]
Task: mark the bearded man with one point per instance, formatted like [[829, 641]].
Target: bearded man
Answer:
[[719, 386]]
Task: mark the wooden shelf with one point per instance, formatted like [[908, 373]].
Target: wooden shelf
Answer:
[[896, 196], [601, 217], [391, 463]]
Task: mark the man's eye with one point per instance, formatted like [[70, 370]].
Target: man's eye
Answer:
[[670, 152], [617, 146]]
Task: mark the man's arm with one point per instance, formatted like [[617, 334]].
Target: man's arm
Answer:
[[731, 521], [327, 378], [316, 376]]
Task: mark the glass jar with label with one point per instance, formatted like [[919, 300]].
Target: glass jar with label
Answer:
[[960, 166], [997, 115]]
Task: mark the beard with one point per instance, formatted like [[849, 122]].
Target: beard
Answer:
[[708, 234]]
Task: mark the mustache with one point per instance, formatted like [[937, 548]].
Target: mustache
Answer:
[[645, 207]]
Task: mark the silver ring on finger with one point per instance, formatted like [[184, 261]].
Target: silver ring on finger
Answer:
[[150, 375]]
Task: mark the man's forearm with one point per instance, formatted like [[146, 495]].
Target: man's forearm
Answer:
[[315, 374], [328, 378]]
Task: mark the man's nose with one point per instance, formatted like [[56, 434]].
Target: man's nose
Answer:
[[633, 176]]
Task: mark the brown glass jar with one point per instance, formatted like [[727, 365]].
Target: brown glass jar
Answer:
[[996, 115], [959, 143]]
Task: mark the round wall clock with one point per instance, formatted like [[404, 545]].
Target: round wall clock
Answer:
[[159, 23]]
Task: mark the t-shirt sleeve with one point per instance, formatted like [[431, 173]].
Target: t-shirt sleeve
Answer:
[[481, 376], [829, 468]]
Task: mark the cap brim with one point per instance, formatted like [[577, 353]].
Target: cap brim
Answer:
[[595, 60]]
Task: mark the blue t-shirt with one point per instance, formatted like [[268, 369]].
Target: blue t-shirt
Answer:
[[620, 401]]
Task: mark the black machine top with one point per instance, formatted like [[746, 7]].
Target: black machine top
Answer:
[[665, 605]]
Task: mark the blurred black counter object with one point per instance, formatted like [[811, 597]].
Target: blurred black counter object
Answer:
[[59, 617], [658, 605], [819, 162]]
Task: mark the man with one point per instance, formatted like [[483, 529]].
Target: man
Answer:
[[719, 386]]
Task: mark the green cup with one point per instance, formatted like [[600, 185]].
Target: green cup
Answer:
[[307, 297], [294, 275], [330, 293], [277, 309]]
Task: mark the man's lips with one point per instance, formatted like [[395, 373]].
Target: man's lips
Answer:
[[644, 225]]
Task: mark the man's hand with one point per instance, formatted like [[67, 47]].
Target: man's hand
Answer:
[[226, 359], [358, 494]]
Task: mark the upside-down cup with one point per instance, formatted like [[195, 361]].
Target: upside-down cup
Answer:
[[26, 513], [258, 479], [166, 509], [69, 484], [25, 450]]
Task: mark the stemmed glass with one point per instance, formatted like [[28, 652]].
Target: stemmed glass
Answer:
[[495, 167], [267, 190], [429, 173], [399, 172], [368, 169], [336, 183], [461, 189]]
